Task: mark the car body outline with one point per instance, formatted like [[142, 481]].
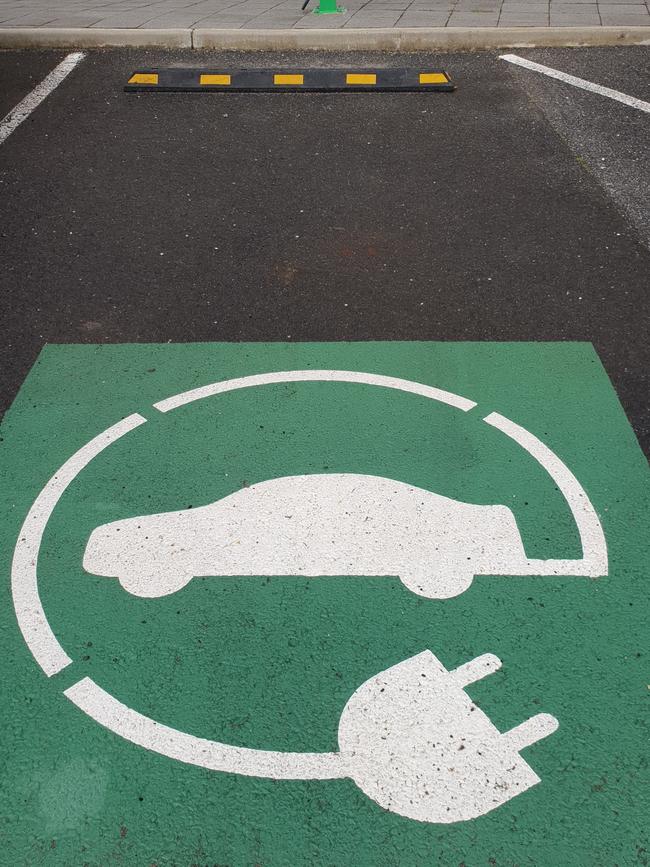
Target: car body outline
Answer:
[[316, 525]]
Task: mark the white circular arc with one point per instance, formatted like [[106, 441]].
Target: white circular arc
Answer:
[[142, 730], [32, 621], [282, 376]]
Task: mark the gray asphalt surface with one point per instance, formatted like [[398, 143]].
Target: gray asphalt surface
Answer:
[[611, 139], [487, 214], [17, 77]]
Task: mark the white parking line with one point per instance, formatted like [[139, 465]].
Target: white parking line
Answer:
[[578, 82], [24, 108]]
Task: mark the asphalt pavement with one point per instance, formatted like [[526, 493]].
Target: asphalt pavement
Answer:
[[376, 600], [512, 209]]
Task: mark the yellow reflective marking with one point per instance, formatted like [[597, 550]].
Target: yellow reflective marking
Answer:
[[360, 78], [288, 79], [144, 78], [214, 79], [433, 78]]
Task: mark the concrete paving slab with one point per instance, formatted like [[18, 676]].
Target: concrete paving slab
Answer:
[[180, 13], [73, 21], [370, 20], [227, 21], [462, 19], [174, 20], [323, 22], [79, 37], [638, 20], [424, 19], [111, 21], [518, 20], [427, 6], [574, 20], [626, 15], [32, 20]]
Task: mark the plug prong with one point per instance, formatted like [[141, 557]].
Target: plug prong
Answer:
[[476, 669], [531, 730]]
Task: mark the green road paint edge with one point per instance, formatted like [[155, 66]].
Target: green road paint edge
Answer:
[[77, 794]]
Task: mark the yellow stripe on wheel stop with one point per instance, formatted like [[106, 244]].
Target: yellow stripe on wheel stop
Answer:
[[433, 78], [222, 80], [360, 78], [289, 79], [144, 78]]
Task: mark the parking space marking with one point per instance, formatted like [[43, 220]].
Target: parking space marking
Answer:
[[33, 99], [632, 101]]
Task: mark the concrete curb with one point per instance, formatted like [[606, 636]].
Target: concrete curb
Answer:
[[340, 39], [420, 38]]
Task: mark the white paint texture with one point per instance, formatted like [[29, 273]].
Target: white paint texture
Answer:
[[24, 577], [316, 376], [192, 750], [33, 99], [417, 744], [594, 562], [32, 620], [410, 738], [582, 83], [314, 525]]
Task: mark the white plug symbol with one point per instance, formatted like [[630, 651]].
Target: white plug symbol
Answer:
[[413, 741]]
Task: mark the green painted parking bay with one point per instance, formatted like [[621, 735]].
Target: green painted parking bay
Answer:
[[364, 603]]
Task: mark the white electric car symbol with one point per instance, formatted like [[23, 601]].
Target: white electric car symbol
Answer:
[[410, 737], [314, 525]]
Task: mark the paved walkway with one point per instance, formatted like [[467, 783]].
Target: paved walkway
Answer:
[[270, 14]]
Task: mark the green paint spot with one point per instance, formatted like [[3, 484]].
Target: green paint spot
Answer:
[[269, 663], [328, 7]]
